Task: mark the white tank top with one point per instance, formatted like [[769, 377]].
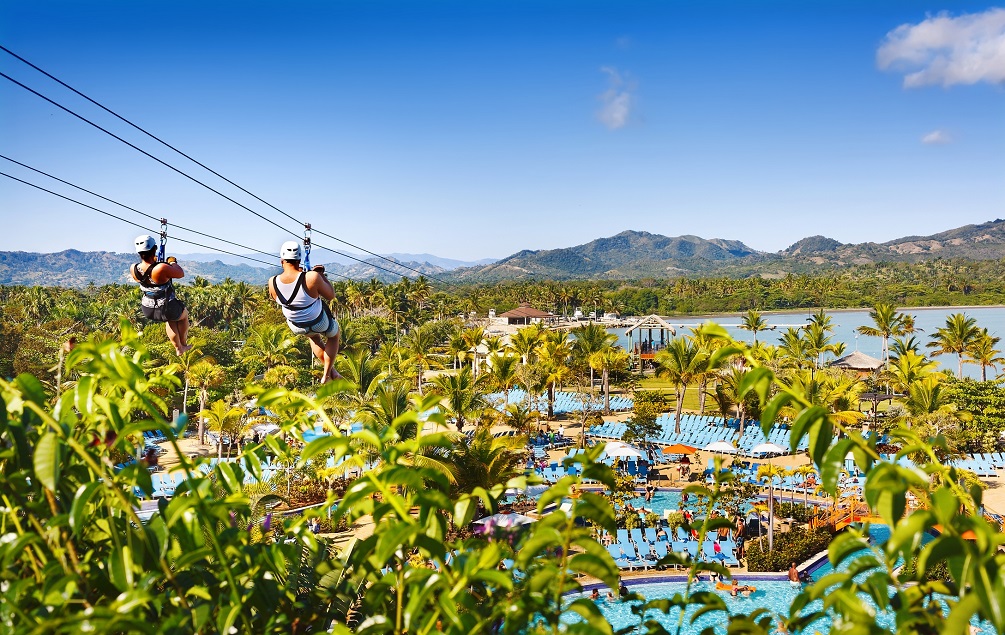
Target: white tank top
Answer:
[[296, 304]]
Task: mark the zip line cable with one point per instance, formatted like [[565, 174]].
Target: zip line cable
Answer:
[[133, 209], [205, 167], [194, 231], [155, 218], [138, 149]]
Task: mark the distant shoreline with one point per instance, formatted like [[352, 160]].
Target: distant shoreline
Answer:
[[810, 311]]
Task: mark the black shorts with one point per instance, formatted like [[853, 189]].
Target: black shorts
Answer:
[[170, 312]]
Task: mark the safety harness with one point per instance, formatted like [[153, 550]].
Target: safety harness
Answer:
[[301, 281]]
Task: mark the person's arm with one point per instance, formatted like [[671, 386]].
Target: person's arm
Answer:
[[164, 271], [318, 283]]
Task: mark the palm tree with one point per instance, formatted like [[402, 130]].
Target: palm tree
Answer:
[[708, 344], [901, 346], [927, 397], [463, 396], [503, 370], [805, 471], [388, 401], [605, 361], [983, 352], [795, 348], [553, 363], [956, 337], [769, 472], [485, 461], [520, 417], [679, 362], [418, 345], [591, 338], [907, 369], [457, 349], [187, 360], [268, 345], [473, 338], [727, 393], [225, 420], [526, 343], [205, 374], [888, 322], [754, 322], [818, 342]]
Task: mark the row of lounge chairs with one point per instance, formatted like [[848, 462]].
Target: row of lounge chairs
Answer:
[[636, 549], [699, 431], [565, 402]]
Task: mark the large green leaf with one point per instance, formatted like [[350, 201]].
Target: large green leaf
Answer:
[[47, 464]]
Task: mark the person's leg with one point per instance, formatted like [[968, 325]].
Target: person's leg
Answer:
[[331, 350], [182, 329], [317, 347], [177, 332]]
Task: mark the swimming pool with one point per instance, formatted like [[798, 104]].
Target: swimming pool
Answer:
[[776, 596]]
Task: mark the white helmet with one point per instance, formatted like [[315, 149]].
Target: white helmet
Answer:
[[145, 243], [290, 250]]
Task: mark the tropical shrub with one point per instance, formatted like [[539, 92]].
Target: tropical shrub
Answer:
[[792, 546], [796, 511]]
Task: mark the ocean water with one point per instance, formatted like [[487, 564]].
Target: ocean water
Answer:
[[927, 321]]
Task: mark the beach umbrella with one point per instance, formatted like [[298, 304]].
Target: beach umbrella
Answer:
[[768, 448], [720, 447], [621, 450], [679, 448], [506, 519]]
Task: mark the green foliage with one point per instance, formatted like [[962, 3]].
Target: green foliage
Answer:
[[792, 546], [76, 556], [984, 401], [797, 511]]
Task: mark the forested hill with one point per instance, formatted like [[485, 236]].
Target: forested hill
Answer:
[[633, 255], [630, 254]]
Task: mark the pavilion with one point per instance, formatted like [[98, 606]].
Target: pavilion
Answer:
[[645, 349], [859, 362]]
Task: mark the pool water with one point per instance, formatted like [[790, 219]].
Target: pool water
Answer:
[[773, 595], [776, 596]]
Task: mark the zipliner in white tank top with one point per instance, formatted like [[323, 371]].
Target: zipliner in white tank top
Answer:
[[297, 305]]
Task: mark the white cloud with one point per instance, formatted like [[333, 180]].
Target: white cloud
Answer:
[[946, 50], [937, 137], [617, 101]]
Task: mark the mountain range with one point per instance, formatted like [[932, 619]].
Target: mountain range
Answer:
[[635, 254], [628, 255]]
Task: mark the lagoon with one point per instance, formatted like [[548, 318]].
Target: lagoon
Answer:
[[927, 321]]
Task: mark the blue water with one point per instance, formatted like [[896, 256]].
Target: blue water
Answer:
[[775, 596], [661, 502], [878, 534], [927, 321]]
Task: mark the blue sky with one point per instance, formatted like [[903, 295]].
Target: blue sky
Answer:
[[476, 129]]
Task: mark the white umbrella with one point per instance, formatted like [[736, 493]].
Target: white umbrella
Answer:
[[621, 450], [768, 448], [265, 428], [505, 520], [720, 447]]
